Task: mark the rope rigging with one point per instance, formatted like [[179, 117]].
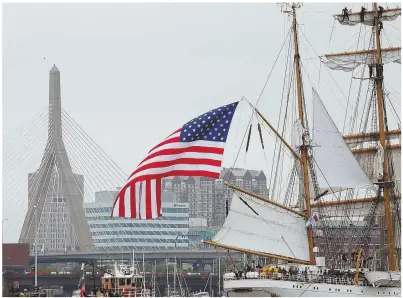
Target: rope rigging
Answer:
[[261, 93]]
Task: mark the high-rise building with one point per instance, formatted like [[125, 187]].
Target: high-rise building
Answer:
[[198, 192], [169, 231], [55, 232], [207, 196]]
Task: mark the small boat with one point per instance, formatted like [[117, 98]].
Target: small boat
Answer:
[[200, 294], [125, 281]]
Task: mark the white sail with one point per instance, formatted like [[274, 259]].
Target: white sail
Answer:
[[350, 60], [355, 18], [336, 165], [274, 230]]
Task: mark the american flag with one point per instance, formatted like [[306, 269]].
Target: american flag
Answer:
[[196, 149], [314, 218]]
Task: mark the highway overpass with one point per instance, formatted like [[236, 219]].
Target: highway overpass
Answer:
[[205, 256]]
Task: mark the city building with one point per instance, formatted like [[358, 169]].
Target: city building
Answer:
[[207, 196], [169, 231], [55, 230]]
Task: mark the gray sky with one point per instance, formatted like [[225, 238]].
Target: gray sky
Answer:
[[133, 73]]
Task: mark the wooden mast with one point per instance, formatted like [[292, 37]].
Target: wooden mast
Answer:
[[363, 52], [346, 202], [370, 136], [278, 134], [379, 95], [254, 252], [304, 150]]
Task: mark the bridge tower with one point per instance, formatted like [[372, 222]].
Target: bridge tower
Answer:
[[55, 194]]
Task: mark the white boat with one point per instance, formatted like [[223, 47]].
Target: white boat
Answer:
[[327, 176], [313, 285], [282, 288], [125, 280], [174, 294], [200, 294]]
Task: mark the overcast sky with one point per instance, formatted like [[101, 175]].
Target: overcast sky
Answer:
[[133, 73]]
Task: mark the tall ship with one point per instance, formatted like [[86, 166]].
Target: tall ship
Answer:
[[333, 229]]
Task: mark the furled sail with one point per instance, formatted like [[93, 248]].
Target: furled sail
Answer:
[[355, 18], [348, 61], [371, 161], [347, 211], [273, 230], [379, 161], [336, 165], [296, 135]]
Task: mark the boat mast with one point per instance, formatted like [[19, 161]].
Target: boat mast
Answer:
[[167, 278], [219, 275], [144, 276], [304, 148], [379, 95], [175, 277], [154, 277]]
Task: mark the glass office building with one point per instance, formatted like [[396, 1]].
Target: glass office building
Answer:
[[169, 231]]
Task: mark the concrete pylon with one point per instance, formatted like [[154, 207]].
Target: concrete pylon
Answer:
[[55, 157]]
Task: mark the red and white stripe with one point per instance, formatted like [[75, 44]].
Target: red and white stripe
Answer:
[[82, 291], [141, 197]]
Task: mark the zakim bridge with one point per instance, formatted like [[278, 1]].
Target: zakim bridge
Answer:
[[59, 187]]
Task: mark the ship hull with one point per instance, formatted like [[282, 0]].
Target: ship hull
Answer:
[[281, 288], [381, 278]]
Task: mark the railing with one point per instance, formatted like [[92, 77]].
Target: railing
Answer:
[[300, 277]]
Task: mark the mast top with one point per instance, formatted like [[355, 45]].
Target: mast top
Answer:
[[366, 17], [289, 8]]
